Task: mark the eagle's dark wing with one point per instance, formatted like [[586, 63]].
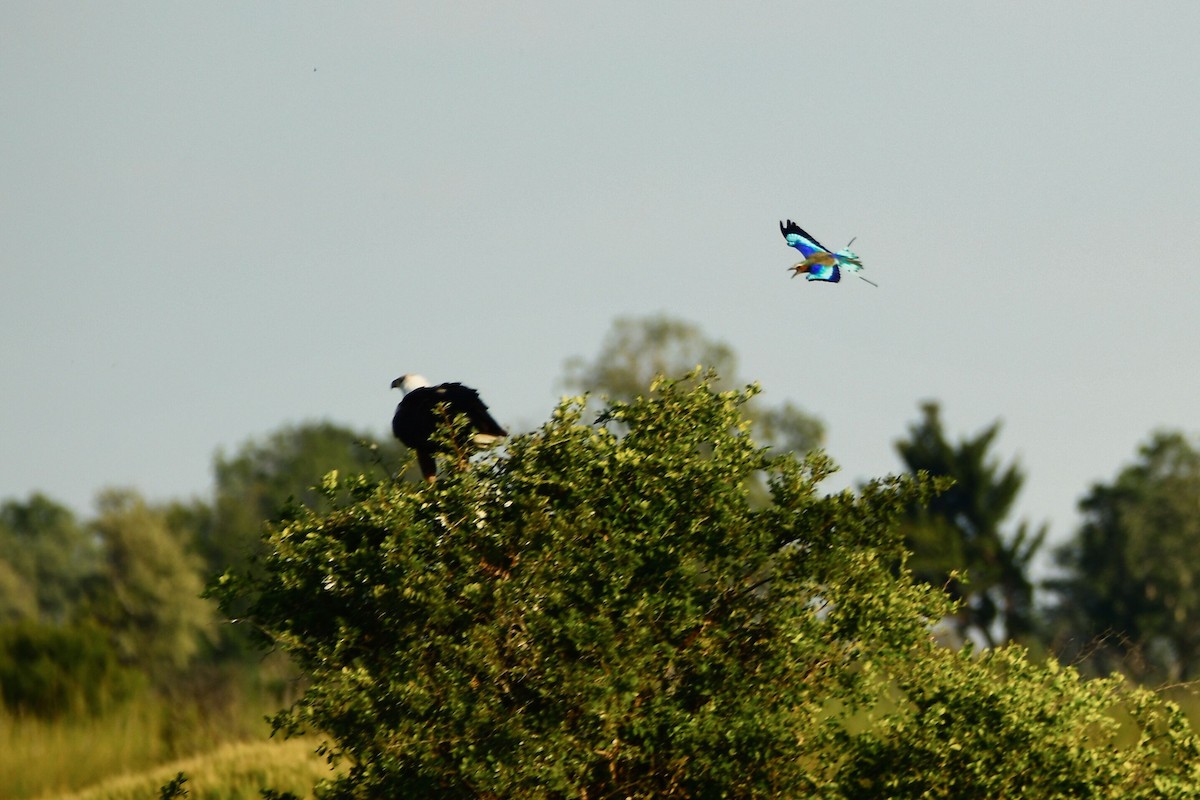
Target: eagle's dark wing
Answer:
[[414, 421], [465, 400]]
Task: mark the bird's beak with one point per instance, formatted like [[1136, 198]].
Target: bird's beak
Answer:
[[396, 383]]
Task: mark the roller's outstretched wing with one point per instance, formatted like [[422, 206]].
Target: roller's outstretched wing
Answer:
[[798, 238]]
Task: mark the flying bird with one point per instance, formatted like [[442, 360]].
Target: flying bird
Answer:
[[820, 263], [424, 409]]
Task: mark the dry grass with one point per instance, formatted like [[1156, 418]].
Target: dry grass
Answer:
[[232, 772], [44, 757], [38, 756]]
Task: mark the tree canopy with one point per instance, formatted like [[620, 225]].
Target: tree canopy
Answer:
[[1130, 597], [637, 350], [958, 540], [45, 558], [262, 477], [147, 594]]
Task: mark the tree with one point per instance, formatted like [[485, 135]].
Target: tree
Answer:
[[147, 594], [263, 477], [957, 540], [46, 557], [606, 614], [1130, 596], [639, 350], [18, 598], [54, 670]]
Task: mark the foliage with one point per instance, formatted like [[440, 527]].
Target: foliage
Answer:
[[52, 671], [1130, 598], [134, 574], [1001, 726], [174, 788], [639, 350], [603, 615], [147, 593], [46, 556], [18, 600], [960, 531], [264, 477]]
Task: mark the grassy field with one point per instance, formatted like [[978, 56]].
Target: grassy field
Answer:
[[232, 772], [56, 757]]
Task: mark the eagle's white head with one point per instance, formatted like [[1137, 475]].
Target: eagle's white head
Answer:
[[409, 381]]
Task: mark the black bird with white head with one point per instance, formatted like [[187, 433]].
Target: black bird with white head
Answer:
[[425, 408]]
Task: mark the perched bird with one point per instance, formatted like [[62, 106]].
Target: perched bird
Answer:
[[424, 409], [820, 263]]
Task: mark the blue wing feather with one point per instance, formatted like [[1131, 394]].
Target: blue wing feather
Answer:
[[798, 238], [823, 272], [803, 245]]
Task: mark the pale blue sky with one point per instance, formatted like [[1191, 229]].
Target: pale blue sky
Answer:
[[216, 218]]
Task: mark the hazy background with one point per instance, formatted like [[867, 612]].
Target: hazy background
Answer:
[[220, 217]]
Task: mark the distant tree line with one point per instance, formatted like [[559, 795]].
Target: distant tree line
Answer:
[[93, 610]]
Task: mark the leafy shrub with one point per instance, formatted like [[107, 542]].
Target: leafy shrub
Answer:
[[50, 670], [601, 615]]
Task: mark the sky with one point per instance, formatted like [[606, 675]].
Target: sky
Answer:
[[220, 218]]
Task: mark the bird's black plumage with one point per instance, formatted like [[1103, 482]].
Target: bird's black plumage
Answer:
[[425, 409]]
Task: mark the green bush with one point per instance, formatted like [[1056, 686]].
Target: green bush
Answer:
[[50, 670], [600, 615]]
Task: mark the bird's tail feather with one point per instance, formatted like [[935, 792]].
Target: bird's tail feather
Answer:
[[849, 259]]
